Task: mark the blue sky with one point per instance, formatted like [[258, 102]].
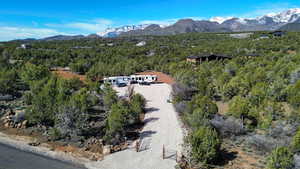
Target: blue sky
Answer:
[[37, 19]]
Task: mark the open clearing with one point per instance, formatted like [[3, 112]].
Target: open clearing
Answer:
[[162, 128]]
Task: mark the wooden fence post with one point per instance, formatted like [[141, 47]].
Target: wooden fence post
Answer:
[[163, 152], [137, 145]]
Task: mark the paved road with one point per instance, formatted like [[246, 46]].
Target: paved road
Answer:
[[12, 158], [162, 128]]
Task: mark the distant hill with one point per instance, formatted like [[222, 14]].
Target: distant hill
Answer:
[[293, 27], [63, 37]]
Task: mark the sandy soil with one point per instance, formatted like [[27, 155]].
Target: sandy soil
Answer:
[[162, 129]]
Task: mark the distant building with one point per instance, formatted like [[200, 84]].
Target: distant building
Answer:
[[278, 33], [203, 58], [140, 44], [241, 35], [264, 36], [24, 46]]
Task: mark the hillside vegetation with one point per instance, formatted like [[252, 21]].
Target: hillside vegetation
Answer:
[[260, 84]]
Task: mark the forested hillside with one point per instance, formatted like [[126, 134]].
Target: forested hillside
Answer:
[[259, 86]]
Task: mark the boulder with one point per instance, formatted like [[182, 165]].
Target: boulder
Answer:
[[19, 117], [24, 124], [6, 125], [106, 150]]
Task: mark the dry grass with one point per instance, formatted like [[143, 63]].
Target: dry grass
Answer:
[[222, 107]]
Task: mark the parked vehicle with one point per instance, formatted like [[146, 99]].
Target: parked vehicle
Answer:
[[122, 81], [121, 84]]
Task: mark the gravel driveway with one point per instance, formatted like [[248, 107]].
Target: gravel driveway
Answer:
[[162, 128]]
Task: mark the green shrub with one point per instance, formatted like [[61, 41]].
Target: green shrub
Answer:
[[8, 82], [296, 142], [33, 72], [203, 104], [197, 119], [294, 95], [137, 106], [205, 145], [55, 134], [110, 96], [116, 122], [280, 158], [239, 107]]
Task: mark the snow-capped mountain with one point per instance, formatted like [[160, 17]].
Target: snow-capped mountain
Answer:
[[113, 32], [220, 20], [268, 22], [287, 16]]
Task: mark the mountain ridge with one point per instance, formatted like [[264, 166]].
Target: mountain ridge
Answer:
[[268, 22]]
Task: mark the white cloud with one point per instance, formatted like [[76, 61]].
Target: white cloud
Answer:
[[11, 33], [89, 26]]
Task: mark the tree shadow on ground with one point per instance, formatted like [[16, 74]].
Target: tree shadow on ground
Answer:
[[145, 144], [150, 120], [170, 154], [151, 110], [145, 140], [148, 133], [226, 156]]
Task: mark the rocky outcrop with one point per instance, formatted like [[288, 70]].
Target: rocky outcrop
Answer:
[[13, 119]]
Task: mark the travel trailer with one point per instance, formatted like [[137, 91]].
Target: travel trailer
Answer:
[[122, 81]]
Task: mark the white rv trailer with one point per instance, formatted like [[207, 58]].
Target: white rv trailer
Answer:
[[144, 78], [117, 80]]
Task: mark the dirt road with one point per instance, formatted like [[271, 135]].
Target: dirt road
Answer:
[[162, 128]]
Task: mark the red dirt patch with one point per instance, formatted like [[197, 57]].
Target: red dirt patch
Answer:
[[161, 77], [69, 75]]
